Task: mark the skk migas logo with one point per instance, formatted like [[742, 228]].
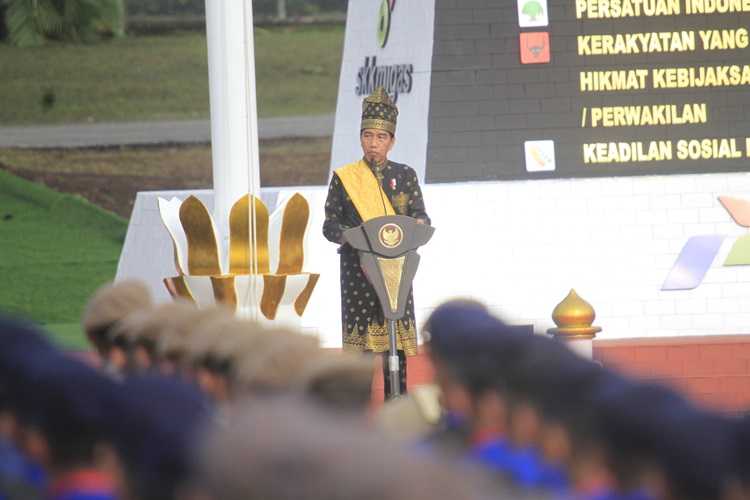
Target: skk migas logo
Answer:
[[396, 79], [384, 21]]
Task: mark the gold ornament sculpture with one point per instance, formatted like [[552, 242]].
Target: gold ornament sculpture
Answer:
[[260, 271]]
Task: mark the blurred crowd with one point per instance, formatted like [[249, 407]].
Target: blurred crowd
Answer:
[[188, 403]]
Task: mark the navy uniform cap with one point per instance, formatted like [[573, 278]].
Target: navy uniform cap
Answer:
[[539, 362], [457, 331], [454, 316], [632, 414], [20, 344], [154, 422], [16, 333], [476, 345], [652, 423], [696, 450], [741, 432], [491, 356], [566, 385], [67, 398], [23, 371]]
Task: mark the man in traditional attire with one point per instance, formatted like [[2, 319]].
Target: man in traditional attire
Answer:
[[371, 187]]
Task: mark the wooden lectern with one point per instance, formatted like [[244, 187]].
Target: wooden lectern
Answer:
[[388, 252]]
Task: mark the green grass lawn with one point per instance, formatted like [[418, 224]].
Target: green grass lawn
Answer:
[[155, 78], [55, 251]]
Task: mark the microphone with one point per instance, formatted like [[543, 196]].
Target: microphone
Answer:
[[379, 177], [375, 166]]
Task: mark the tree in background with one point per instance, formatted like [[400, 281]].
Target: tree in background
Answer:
[[31, 22]]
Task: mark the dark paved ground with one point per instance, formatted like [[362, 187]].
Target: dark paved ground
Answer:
[[131, 133]]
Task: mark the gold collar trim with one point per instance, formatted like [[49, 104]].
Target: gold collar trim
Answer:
[[362, 186]]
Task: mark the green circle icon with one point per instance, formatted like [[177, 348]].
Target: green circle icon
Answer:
[[384, 23]]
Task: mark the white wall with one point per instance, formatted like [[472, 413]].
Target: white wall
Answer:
[[521, 246]]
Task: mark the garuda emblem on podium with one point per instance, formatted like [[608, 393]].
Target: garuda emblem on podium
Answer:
[[390, 235]]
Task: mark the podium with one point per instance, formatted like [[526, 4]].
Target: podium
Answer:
[[387, 247]]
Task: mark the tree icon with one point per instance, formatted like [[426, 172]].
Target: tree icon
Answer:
[[532, 9]]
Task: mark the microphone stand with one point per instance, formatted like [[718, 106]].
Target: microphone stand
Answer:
[[392, 343], [379, 177]]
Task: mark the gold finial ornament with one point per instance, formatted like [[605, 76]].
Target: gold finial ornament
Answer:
[[574, 317]]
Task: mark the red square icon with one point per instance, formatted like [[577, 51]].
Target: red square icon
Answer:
[[534, 47]]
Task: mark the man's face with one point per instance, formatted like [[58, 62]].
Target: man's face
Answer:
[[376, 144]]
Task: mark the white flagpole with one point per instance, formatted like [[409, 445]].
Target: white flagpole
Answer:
[[234, 121], [253, 158]]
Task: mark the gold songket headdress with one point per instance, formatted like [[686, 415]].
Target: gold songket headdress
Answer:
[[379, 111]]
